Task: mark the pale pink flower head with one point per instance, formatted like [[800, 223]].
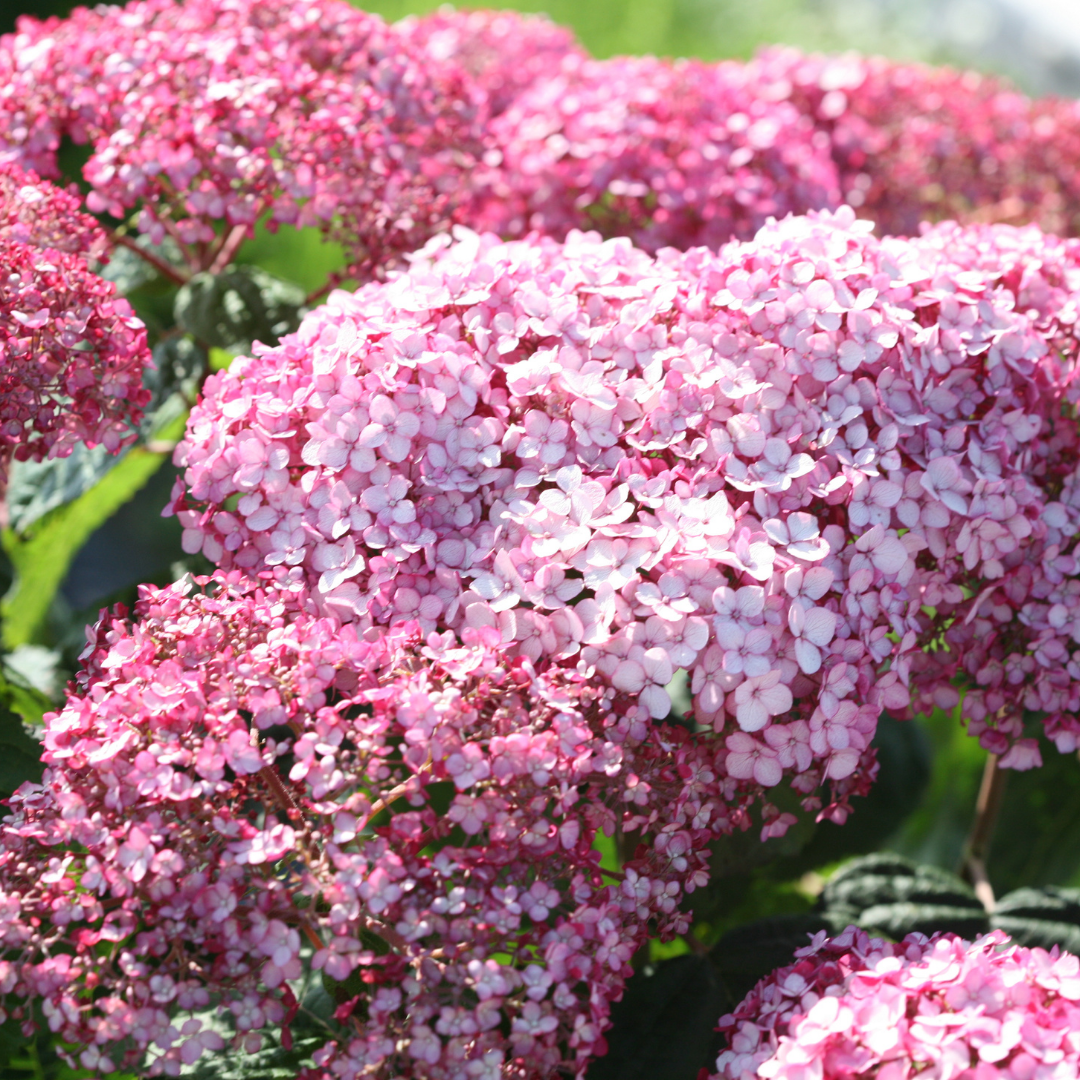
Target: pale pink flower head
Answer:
[[756, 462]]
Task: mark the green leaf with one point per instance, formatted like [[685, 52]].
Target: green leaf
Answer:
[[303, 256], [891, 879], [270, 1063], [241, 305], [36, 487], [20, 754], [22, 697], [888, 895], [1040, 918], [896, 921], [664, 1027], [221, 359], [41, 560], [179, 365]]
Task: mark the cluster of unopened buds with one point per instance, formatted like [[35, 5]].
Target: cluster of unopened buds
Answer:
[[241, 783], [857, 1006], [72, 353]]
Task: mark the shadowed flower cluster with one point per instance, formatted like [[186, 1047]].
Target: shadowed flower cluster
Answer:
[[72, 353]]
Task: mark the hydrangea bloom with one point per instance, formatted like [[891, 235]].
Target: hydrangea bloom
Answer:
[[504, 52], [915, 143], [667, 153], [237, 781], [71, 352], [217, 112], [749, 465], [33, 211], [857, 1006], [1014, 631]]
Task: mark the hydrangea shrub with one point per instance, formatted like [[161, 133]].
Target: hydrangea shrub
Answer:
[[471, 520]]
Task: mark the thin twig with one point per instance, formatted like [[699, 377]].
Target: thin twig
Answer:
[[396, 793], [977, 849], [162, 267]]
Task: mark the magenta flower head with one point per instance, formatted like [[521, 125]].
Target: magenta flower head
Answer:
[[677, 154], [239, 786], [855, 1006], [210, 114], [72, 352], [504, 52], [914, 143]]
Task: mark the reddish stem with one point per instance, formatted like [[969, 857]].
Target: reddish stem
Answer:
[[158, 264], [228, 249]]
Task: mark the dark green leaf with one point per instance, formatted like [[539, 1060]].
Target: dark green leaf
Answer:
[[664, 1027], [896, 921], [241, 305], [1040, 917], [180, 364], [270, 1063], [889, 879], [891, 896]]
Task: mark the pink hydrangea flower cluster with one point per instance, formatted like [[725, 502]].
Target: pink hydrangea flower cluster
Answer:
[[915, 143], [858, 1006], [504, 53], [219, 112], [677, 154], [1013, 629], [33, 211], [729, 464], [72, 352], [238, 786], [571, 445]]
